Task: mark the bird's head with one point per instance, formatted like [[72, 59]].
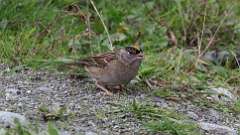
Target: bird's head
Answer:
[[131, 55]]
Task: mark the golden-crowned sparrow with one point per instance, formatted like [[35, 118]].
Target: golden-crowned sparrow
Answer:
[[113, 68]]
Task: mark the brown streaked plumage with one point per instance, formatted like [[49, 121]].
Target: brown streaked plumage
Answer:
[[114, 68]]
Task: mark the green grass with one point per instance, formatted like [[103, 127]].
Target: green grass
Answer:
[[236, 106], [56, 114], [175, 34], [163, 121], [30, 130]]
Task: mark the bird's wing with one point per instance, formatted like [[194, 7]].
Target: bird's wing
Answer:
[[98, 61]]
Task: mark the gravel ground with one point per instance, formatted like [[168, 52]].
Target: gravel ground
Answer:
[[87, 110]]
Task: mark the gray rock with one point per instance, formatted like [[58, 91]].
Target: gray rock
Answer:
[[223, 57], [44, 89], [64, 133], [11, 94], [192, 115], [3, 131], [90, 133], [7, 119], [222, 94], [217, 129], [160, 102], [216, 56], [210, 56]]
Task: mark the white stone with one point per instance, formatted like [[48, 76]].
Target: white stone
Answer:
[[217, 129], [7, 119], [11, 94], [64, 133], [192, 115], [44, 89], [3, 131], [222, 94], [90, 133]]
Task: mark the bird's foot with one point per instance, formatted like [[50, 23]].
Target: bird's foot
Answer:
[[119, 87], [107, 92]]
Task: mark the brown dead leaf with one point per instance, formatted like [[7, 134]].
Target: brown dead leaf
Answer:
[[172, 38]]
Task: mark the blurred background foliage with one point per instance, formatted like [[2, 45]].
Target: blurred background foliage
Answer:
[[176, 34]]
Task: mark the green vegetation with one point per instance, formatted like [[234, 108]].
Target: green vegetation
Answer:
[[237, 106], [165, 121], [21, 130], [175, 35], [57, 114]]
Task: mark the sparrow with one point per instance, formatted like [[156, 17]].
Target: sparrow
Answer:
[[115, 68]]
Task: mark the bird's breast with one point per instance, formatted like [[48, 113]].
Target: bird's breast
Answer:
[[116, 73], [123, 74]]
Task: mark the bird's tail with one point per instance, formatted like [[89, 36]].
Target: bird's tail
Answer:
[[72, 62]]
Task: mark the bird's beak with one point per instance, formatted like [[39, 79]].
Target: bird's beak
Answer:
[[140, 56]]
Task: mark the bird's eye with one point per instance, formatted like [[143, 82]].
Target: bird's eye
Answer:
[[132, 51]]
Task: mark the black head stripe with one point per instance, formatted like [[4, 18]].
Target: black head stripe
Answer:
[[133, 50]]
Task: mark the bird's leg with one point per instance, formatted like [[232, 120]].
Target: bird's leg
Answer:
[[104, 89], [119, 87]]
